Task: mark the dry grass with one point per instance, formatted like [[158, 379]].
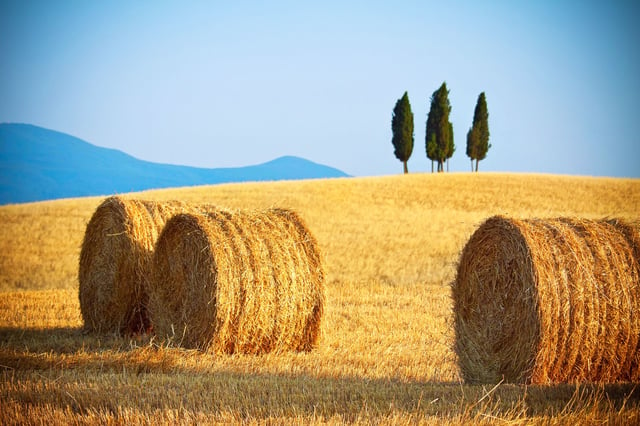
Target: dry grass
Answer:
[[55, 374], [386, 355], [548, 301], [227, 282]]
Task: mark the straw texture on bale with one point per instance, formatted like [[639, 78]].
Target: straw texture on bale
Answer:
[[114, 262], [238, 282], [549, 301]]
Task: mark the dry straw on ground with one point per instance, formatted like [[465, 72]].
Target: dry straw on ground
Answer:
[[248, 282], [549, 301], [114, 262]]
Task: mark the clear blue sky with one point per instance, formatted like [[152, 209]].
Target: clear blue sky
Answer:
[[217, 84]]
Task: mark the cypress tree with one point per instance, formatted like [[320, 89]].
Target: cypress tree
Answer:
[[439, 134], [478, 137], [402, 128]]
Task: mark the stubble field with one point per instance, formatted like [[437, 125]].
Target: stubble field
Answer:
[[390, 246]]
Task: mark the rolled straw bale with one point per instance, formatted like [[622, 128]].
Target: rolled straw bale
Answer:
[[247, 282], [114, 262], [548, 301]]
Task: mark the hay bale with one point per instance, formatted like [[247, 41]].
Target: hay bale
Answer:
[[114, 262], [227, 282], [548, 301]]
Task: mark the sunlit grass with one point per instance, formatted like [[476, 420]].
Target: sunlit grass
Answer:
[[390, 246]]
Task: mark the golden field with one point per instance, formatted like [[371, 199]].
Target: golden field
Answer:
[[390, 246]]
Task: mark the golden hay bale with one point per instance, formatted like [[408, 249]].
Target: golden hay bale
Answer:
[[227, 282], [548, 301], [114, 262]]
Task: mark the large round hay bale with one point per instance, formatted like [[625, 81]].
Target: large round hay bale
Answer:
[[114, 262], [247, 282], [548, 301]]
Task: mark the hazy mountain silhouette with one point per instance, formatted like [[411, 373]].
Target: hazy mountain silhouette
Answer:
[[40, 164]]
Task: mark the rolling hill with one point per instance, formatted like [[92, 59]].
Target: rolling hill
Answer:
[[40, 164], [390, 246]]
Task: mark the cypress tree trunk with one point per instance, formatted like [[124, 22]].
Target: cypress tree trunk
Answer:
[[447, 165], [476, 166], [406, 170], [431, 166], [472, 164]]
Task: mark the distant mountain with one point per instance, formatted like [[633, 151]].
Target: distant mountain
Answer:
[[40, 164]]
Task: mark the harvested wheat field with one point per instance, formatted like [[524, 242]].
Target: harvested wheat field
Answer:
[[386, 351], [248, 282], [115, 261], [548, 301]]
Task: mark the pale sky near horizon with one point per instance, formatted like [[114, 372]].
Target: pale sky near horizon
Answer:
[[222, 84]]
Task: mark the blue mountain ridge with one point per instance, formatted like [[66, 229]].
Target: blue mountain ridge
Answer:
[[40, 164]]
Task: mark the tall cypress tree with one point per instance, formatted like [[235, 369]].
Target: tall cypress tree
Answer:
[[478, 137], [439, 134], [402, 128]]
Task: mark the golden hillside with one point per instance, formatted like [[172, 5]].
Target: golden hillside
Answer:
[[396, 229], [390, 245]]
